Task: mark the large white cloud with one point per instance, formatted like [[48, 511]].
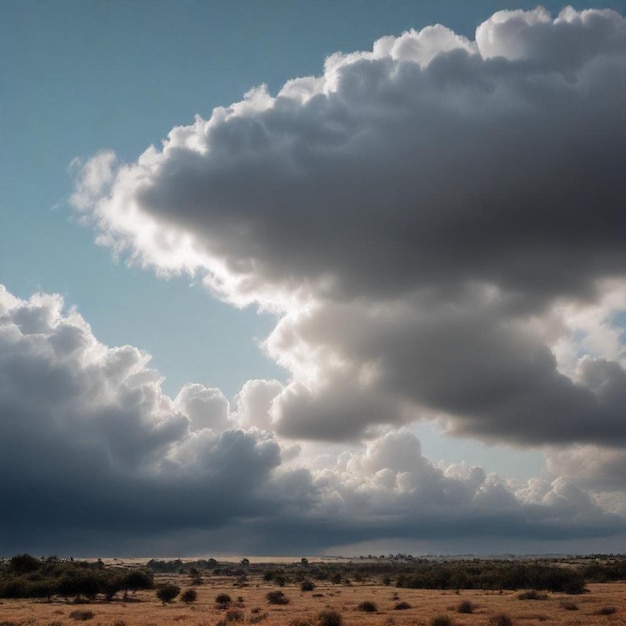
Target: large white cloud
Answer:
[[96, 459], [435, 220]]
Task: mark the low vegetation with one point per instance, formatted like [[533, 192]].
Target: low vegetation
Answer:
[[24, 576], [120, 594], [367, 607]]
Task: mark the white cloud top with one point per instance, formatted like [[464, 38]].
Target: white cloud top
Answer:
[[433, 220]]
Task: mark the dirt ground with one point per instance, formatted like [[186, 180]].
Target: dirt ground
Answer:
[[604, 604]]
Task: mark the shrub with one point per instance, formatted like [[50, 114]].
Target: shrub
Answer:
[[606, 610], [189, 596], [501, 619], [234, 615], [255, 619], [223, 601], [82, 616], [441, 620], [367, 607], [307, 585], [402, 606], [329, 617], [276, 597], [533, 594], [465, 607], [167, 592], [568, 606]]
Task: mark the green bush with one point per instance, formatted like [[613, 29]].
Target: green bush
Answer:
[[24, 563], [167, 592]]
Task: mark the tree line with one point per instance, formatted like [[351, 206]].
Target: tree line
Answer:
[[24, 576]]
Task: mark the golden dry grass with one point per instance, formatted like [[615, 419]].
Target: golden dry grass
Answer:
[[143, 609]]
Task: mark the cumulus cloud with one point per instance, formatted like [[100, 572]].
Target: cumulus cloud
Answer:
[[436, 221], [96, 459], [88, 440]]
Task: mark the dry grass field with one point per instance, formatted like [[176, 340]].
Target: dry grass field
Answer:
[[604, 604]]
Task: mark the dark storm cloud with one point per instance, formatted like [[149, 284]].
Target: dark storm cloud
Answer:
[[420, 215], [97, 460], [505, 169]]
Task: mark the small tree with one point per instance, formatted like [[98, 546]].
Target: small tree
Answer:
[[189, 595], [223, 601], [167, 592]]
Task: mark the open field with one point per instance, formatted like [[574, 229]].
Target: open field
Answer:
[[249, 606]]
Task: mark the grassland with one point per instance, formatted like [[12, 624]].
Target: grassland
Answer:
[[601, 604]]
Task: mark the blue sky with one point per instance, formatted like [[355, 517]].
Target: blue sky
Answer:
[[82, 78]]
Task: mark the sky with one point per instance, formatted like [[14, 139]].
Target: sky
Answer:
[[293, 277]]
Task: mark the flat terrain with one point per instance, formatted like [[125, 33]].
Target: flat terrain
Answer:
[[249, 606]]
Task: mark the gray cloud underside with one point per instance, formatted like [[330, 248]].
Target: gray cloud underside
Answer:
[[96, 458], [419, 215]]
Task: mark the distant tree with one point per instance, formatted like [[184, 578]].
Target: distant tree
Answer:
[[167, 592], [223, 601], [24, 563], [189, 595]]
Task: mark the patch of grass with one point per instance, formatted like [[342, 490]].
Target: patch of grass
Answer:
[[402, 606], [532, 594], [441, 620], [568, 606], [465, 607], [82, 616], [234, 615], [501, 619], [255, 619], [367, 607], [298, 621], [606, 610], [329, 617], [276, 597]]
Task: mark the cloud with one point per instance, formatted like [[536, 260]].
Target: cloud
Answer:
[[436, 222], [96, 459], [88, 440], [600, 469]]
